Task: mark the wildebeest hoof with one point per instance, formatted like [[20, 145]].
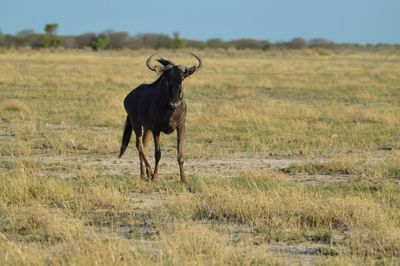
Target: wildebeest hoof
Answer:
[[154, 178], [149, 175], [144, 178]]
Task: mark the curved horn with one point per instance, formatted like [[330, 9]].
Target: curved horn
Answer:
[[148, 63], [198, 59]]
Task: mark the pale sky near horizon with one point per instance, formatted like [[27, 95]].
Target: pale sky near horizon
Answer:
[[342, 21]]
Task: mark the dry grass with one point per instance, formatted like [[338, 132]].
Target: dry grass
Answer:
[[284, 213], [37, 223], [359, 166], [18, 106], [196, 244], [64, 199]]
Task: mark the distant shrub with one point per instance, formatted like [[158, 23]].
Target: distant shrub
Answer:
[[99, 42], [84, 40], [216, 43], [250, 44], [297, 43], [178, 42], [114, 40], [48, 41]]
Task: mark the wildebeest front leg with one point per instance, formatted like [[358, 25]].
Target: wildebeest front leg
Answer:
[[142, 157], [157, 153], [179, 145]]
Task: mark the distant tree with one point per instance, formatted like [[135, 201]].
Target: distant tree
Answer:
[[297, 43], [249, 44], [195, 44], [84, 40], [100, 42], [25, 38], [320, 43], [50, 39], [178, 42], [47, 41], [164, 41], [154, 41], [2, 38], [51, 28], [266, 45], [383, 45], [25, 33], [69, 42], [117, 40], [216, 43]]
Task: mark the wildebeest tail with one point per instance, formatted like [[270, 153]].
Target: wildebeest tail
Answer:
[[125, 137]]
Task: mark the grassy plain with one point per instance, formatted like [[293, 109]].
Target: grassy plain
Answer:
[[292, 158]]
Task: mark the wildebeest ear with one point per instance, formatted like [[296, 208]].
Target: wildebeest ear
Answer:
[[189, 71], [165, 62]]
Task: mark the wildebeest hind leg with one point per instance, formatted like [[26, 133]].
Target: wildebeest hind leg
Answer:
[[139, 146], [138, 132], [145, 140]]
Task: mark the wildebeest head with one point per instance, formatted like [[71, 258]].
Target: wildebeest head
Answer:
[[174, 76]]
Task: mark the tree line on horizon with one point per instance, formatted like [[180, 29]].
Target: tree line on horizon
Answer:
[[114, 40]]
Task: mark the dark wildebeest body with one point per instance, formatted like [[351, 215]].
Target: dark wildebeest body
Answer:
[[149, 106], [155, 108]]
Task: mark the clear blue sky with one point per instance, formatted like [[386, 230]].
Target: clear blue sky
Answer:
[[354, 21]]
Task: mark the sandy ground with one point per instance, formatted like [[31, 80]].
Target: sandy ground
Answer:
[[65, 166]]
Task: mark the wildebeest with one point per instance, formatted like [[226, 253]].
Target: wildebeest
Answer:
[[158, 107]]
